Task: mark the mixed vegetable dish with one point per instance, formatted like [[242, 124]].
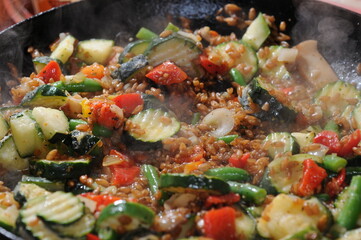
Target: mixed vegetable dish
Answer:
[[186, 134]]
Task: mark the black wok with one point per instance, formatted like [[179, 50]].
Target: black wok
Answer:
[[338, 31]]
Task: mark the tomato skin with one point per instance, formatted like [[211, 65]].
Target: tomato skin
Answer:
[[128, 102], [211, 67], [219, 224], [329, 139], [95, 70], [103, 115], [102, 200], [167, 73], [90, 236], [312, 178], [336, 184], [126, 162], [228, 199], [349, 142], [50, 71], [239, 161], [123, 176]]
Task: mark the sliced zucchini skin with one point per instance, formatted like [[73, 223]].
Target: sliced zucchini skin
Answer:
[[257, 32], [277, 111], [80, 143], [9, 157], [94, 50], [64, 50], [192, 183], [25, 191], [134, 48], [45, 96], [53, 170], [273, 140], [134, 67], [51, 186]]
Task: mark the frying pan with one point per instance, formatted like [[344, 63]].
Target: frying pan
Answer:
[[338, 31]]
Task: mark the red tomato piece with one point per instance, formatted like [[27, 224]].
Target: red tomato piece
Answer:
[[312, 178], [349, 142], [50, 71], [90, 236], [239, 161], [336, 184], [103, 114], [223, 199], [329, 139], [128, 102], [167, 73], [122, 176], [101, 200], [220, 224], [126, 162], [211, 67]]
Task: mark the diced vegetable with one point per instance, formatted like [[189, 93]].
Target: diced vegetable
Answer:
[[45, 96], [64, 49], [152, 175], [167, 73], [145, 34], [50, 72], [87, 85], [248, 192], [229, 174], [280, 143], [9, 157], [257, 32], [94, 50], [219, 224]]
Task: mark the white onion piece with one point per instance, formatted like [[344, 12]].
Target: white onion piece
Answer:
[[188, 35], [288, 55], [320, 151], [221, 119], [109, 160], [90, 204]]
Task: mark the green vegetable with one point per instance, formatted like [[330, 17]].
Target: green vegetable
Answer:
[[152, 175], [195, 118], [87, 85], [352, 206], [229, 174], [145, 34], [101, 131], [73, 123], [257, 32], [334, 162], [249, 192], [45, 96], [172, 27], [331, 125], [237, 76], [228, 138]]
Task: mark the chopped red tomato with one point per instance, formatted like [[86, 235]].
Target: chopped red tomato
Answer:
[[349, 142], [239, 161], [50, 71], [103, 114], [167, 73], [336, 184], [329, 139], [122, 176], [90, 236], [124, 160], [312, 178], [95, 70], [128, 102], [223, 199], [220, 224], [101, 200], [211, 67]]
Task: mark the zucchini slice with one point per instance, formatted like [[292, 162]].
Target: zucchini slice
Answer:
[[27, 135], [42, 61], [64, 169], [257, 32], [61, 208], [131, 69], [183, 51], [81, 143], [336, 96], [303, 138], [245, 55], [287, 215], [280, 142], [139, 215], [8, 212], [261, 92], [152, 125], [245, 226], [133, 49], [26, 191], [51, 186], [45, 96], [351, 235], [95, 50], [9, 156], [356, 115], [191, 183], [64, 50], [51, 121], [4, 127]]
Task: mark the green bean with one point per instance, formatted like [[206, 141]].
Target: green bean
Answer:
[[237, 77], [352, 207], [195, 118], [102, 131], [152, 175], [88, 85], [249, 192], [145, 34], [228, 138], [334, 163], [75, 122], [229, 174]]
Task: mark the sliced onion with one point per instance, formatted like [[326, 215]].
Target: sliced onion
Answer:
[[221, 119], [320, 151], [117, 110], [287, 55], [109, 160]]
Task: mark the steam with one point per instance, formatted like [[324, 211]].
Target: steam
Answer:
[[333, 31]]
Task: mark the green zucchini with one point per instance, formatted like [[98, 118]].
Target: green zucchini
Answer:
[[181, 50], [25, 191], [139, 215], [4, 127], [133, 49], [9, 156], [61, 208], [42, 61], [81, 143], [94, 50], [153, 125], [335, 97], [133, 68], [51, 121], [245, 226], [8, 212], [27, 135], [64, 169], [279, 143], [45, 96], [351, 235], [261, 93], [257, 32], [303, 139], [191, 183], [356, 115], [64, 49], [51, 186]]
